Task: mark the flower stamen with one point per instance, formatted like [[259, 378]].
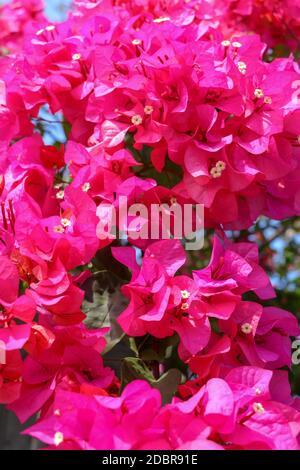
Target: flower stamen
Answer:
[[58, 438], [258, 408], [136, 119], [247, 328]]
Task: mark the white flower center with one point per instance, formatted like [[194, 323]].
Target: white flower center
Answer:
[[86, 187], [58, 229], [220, 165], [60, 194], [162, 19], [137, 119], [148, 109], [247, 328], [136, 42], [51, 27], [65, 222], [258, 408], [185, 294], [215, 173], [58, 438], [76, 56], [242, 67], [258, 92]]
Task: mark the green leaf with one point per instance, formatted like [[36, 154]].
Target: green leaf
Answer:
[[133, 346], [168, 384], [97, 315], [168, 177], [67, 128], [135, 369], [148, 348], [102, 311]]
